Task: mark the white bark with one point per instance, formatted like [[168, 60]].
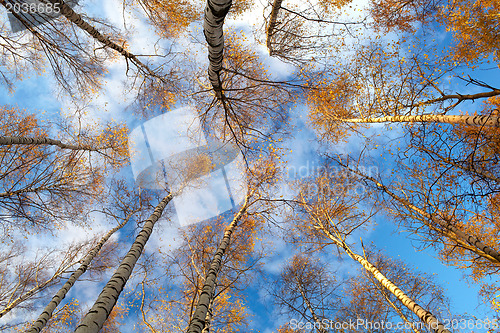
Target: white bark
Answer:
[[41, 321], [215, 12], [95, 318], [423, 314], [430, 118], [17, 140], [197, 323], [272, 24]]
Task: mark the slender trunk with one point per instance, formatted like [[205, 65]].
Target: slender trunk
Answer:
[[424, 315], [77, 19], [394, 306], [469, 242], [272, 24], [208, 318], [44, 317], [207, 293], [215, 12], [17, 140], [309, 306], [431, 118], [95, 318]]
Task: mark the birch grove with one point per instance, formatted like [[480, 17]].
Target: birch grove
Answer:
[[278, 166]]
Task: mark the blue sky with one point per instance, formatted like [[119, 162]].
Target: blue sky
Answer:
[[37, 95]]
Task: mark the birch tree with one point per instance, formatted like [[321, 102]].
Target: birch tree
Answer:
[[126, 205], [263, 175], [77, 19], [95, 318], [189, 265], [301, 33], [471, 43], [372, 302], [306, 288], [205, 300], [380, 85], [253, 106], [442, 223], [39, 183], [468, 153], [77, 70], [23, 282], [404, 79], [215, 12], [330, 217]]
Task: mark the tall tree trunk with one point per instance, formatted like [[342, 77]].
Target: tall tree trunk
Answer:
[[95, 318], [430, 118], [207, 293], [470, 242], [394, 306], [208, 318], [272, 24], [424, 315], [215, 12], [17, 140], [77, 19], [44, 317]]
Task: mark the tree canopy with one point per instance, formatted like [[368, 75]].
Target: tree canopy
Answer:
[[355, 142]]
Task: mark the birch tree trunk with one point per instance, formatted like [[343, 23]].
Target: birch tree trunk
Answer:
[[431, 118], [95, 318], [330, 231], [272, 24], [215, 12], [44, 317], [17, 140], [208, 318], [394, 306], [469, 242], [77, 19], [424, 315], [197, 323]]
